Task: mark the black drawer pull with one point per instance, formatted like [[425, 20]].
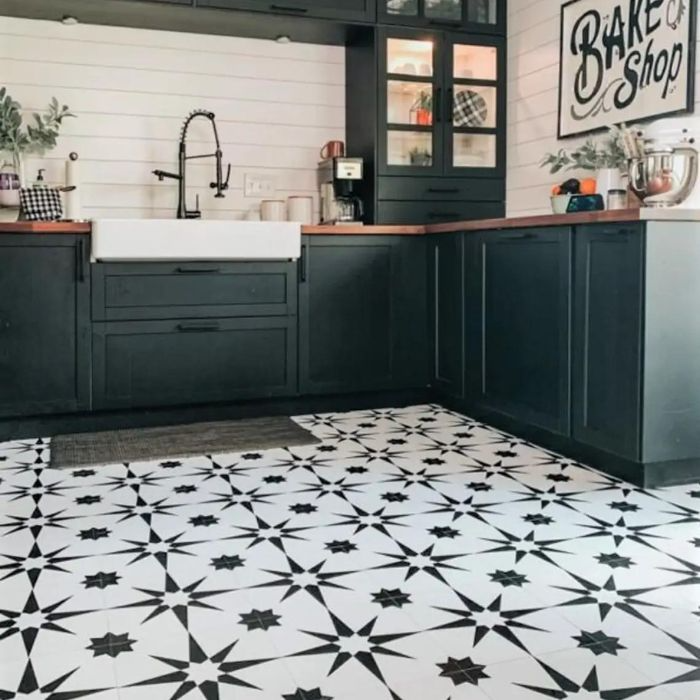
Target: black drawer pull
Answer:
[[292, 10], [520, 237], [443, 215], [437, 105], [198, 327], [198, 270], [443, 190]]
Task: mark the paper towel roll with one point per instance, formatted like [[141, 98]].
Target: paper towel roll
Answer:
[[72, 201]]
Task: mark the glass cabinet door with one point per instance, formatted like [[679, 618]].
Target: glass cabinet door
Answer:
[[475, 107], [412, 103], [471, 15]]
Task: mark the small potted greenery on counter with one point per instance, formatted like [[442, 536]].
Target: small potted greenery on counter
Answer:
[[39, 135]]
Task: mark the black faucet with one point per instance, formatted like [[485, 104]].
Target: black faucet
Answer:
[[220, 185]]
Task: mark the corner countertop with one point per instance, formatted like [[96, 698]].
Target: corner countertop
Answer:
[[620, 216]]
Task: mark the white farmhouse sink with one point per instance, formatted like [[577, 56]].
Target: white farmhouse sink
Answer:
[[194, 239]]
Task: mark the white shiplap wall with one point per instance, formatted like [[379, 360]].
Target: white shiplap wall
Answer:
[[533, 70], [275, 105]]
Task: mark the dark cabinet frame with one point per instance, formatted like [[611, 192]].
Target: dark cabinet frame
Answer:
[[297, 8], [421, 20]]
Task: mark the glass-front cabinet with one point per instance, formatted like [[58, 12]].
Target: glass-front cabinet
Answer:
[[442, 110], [471, 15]]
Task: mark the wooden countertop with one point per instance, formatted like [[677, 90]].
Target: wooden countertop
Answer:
[[45, 227], [621, 216]]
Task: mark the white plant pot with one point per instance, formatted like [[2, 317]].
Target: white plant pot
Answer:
[[609, 179]]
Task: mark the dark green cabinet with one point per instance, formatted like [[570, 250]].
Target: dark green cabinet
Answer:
[[44, 324], [343, 10], [524, 334], [471, 15], [362, 314], [607, 340], [162, 363], [446, 312]]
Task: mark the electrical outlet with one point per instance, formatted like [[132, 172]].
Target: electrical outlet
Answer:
[[259, 186]]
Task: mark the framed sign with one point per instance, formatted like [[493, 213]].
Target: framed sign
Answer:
[[625, 61]]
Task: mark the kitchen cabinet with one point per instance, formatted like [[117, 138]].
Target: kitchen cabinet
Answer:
[[362, 314], [524, 326], [446, 312], [342, 10], [470, 15], [433, 130], [164, 363], [44, 324], [607, 338]]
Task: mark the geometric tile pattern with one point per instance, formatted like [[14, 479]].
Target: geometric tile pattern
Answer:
[[413, 554]]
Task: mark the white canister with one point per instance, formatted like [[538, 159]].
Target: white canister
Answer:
[[300, 210], [273, 210]]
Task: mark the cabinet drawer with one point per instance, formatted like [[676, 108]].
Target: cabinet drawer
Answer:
[[138, 291], [418, 212], [343, 10], [159, 363], [441, 189]]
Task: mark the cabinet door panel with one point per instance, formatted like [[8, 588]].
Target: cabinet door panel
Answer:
[[607, 338], [44, 325], [525, 325], [347, 10], [158, 363]]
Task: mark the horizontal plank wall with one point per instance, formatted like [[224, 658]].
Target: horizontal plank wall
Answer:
[[275, 106], [533, 50]]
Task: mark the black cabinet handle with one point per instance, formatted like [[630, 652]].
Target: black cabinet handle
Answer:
[[450, 105], [291, 10], [302, 264], [197, 270], [437, 105], [80, 260], [198, 327], [443, 190], [520, 237]]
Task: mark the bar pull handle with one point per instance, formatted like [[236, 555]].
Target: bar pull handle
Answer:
[[437, 105], [194, 270], [521, 237], [302, 265], [289, 9], [80, 260], [450, 105], [198, 327], [443, 190]]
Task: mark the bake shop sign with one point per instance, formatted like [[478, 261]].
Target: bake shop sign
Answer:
[[624, 61]]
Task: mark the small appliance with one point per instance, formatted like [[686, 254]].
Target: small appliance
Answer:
[[665, 173], [339, 180]]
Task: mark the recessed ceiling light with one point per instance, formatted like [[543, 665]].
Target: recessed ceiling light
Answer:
[[69, 20], [283, 39]]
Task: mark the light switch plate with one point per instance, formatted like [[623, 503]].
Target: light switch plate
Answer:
[[259, 186]]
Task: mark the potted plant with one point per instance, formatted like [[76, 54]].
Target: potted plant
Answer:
[[423, 108], [420, 157], [607, 158], [37, 136]]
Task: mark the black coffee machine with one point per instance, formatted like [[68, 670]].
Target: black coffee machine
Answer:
[[338, 181]]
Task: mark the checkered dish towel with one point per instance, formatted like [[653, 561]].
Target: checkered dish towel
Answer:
[[470, 109], [40, 204]]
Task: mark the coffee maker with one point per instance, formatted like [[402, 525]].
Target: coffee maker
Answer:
[[339, 179]]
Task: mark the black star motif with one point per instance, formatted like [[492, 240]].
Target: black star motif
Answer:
[[559, 477], [220, 472], [88, 500], [142, 509], [377, 520], [491, 618], [237, 498], [83, 473], [394, 598], [426, 561], [274, 534], [170, 465], [487, 471], [568, 688], [548, 497], [34, 563], [251, 456], [692, 660], [158, 547], [394, 497], [175, 598], [538, 519], [465, 508], [111, 645], [422, 477], [309, 464], [207, 673], [298, 578], [361, 644], [433, 461], [29, 687], [620, 531], [524, 546], [695, 542], [260, 620], [204, 520], [477, 486], [357, 470], [227, 562], [326, 487], [303, 508], [131, 480], [383, 455], [615, 561], [508, 578], [37, 490], [623, 506], [36, 522], [275, 479], [101, 580], [599, 643], [314, 694], [95, 533], [185, 488], [444, 532], [341, 546], [327, 448], [461, 671]]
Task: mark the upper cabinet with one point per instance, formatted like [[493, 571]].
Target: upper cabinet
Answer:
[[442, 104], [341, 10], [471, 15]]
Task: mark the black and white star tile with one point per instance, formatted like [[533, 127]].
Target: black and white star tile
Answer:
[[413, 554]]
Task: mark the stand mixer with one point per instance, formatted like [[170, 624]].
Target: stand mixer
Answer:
[[665, 173]]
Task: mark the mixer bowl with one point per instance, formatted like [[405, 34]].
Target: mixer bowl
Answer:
[[664, 178]]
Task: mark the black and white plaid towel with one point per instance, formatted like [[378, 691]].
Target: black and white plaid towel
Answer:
[[470, 109], [40, 204]]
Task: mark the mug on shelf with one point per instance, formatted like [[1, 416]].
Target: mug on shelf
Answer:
[[333, 149], [273, 210]]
